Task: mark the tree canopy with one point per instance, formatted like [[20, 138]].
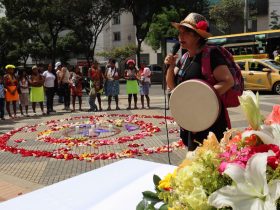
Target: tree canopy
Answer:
[[226, 13], [87, 20], [275, 20]]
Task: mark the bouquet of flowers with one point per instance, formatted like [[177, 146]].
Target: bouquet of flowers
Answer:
[[241, 172]]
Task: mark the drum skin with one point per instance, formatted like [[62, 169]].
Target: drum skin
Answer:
[[194, 105]]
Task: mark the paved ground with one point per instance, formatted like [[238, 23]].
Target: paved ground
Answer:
[[19, 175]]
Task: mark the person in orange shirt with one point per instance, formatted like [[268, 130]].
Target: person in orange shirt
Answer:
[[11, 84], [96, 86]]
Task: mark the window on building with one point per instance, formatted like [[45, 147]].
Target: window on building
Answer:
[[117, 36], [116, 20]]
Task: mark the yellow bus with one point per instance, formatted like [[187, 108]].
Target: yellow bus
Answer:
[[259, 44]]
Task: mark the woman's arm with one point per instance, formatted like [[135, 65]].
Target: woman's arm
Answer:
[[125, 75], [224, 79], [172, 70]]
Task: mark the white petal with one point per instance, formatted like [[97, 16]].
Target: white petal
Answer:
[[255, 172], [265, 136], [269, 205], [276, 132], [231, 196], [235, 172], [274, 189], [253, 96]]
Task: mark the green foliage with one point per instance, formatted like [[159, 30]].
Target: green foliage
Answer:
[[275, 20], [15, 38], [161, 28], [184, 7], [143, 12], [46, 22], [38, 51], [151, 199], [119, 53], [226, 13], [87, 19], [174, 12]]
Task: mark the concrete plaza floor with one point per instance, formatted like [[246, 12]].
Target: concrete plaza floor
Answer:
[[19, 175]]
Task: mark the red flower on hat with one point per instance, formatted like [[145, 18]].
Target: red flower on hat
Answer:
[[202, 25]]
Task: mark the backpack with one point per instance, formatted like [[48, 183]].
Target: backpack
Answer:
[[230, 98]]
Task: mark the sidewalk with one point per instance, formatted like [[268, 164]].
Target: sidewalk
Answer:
[[20, 175]]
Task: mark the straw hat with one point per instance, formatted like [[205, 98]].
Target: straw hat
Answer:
[[34, 67], [196, 22]]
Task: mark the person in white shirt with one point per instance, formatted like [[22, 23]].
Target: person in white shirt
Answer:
[[23, 92], [49, 85], [112, 76]]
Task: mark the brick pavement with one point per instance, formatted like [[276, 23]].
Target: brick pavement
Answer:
[[20, 175]]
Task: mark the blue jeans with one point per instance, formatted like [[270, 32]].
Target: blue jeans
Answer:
[[91, 101], [2, 107]]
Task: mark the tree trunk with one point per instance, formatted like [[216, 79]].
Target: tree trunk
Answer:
[[139, 42]]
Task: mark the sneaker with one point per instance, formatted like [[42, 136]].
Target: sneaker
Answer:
[[118, 108], [52, 111], [109, 109], [128, 108]]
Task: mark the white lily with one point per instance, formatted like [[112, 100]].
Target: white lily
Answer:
[[269, 134], [250, 190], [249, 102]]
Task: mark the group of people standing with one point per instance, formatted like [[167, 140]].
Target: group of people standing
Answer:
[[109, 84], [34, 88]]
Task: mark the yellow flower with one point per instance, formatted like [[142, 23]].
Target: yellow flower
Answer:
[[165, 183], [211, 143]]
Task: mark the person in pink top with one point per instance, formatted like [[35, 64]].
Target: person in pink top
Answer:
[[145, 83]]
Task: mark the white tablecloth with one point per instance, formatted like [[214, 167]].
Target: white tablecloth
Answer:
[[115, 186]]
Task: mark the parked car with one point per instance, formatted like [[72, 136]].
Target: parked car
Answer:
[[157, 73], [260, 74]]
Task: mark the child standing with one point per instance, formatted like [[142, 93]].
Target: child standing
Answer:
[[2, 98], [23, 93], [145, 82]]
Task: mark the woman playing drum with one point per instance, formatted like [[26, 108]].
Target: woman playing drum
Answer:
[[193, 32]]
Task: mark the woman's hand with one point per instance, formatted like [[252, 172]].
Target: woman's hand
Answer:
[[170, 60]]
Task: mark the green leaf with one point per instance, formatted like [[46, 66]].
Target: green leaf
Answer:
[[163, 207], [151, 196], [150, 207], [141, 205], [156, 180]]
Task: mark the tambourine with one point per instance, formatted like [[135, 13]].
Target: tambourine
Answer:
[[194, 105]]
